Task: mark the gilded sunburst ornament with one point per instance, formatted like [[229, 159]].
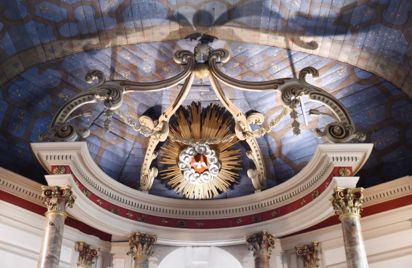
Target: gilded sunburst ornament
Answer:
[[200, 157]]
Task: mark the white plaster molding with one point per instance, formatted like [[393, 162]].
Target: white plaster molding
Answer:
[[306, 216], [20, 186], [376, 225], [387, 236], [388, 191], [34, 224], [92, 212], [76, 155], [21, 235]]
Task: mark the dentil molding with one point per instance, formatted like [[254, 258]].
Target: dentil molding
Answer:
[[296, 204]]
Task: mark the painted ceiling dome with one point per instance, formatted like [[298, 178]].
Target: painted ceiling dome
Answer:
[[47, 50]]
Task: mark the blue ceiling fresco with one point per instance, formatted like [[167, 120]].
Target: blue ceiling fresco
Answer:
[[47, 47], [359, 33], [29, 101]]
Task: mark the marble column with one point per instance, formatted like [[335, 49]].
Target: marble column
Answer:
[[141, 248], [57, 199], [261, 244], [347, 203], [87, 254], [310, 254]]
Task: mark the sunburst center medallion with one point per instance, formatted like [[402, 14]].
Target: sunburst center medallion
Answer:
[[200, 159], [199, 164]]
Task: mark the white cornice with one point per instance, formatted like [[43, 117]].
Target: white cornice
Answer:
[[20, 186], [388, 191], [34, 224], [83, 167], [98, 217], [377, 225], [76, 155]]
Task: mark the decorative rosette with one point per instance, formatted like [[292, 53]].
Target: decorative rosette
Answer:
[[199, 164], [199, 160]]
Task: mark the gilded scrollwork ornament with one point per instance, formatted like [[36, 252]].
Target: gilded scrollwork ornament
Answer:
[[96, 77], [141, 246], [347, 202], [58, 198], [201, 158], [204, 63], [261, 244], [87, 254], [310, 254]]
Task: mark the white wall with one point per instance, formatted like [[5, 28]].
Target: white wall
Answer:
[[187, 257], [21, 236], [387, 236], [199, 257]]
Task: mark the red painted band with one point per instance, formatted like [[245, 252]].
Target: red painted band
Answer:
[[367, 211], [20, 202], [200, 223]]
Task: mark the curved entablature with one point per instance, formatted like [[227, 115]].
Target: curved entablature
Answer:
[[99, 197], [203, 63], [76, 156]]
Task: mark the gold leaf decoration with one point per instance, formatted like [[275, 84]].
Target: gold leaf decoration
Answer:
[[193, 127]]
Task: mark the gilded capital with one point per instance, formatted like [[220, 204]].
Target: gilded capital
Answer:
[[347, 201], [141, 246], [58, 198], [261, 243], [310, 254], [87, 254]]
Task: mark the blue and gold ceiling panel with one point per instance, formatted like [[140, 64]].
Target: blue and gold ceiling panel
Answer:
[[29, 101], [373, 35]]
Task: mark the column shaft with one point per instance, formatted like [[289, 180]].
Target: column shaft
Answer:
[[262, 261], [347, 203], [53, 238], [141, 263], [57, 198], [354, 246]]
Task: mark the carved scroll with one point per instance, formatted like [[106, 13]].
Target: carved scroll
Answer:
[[161, 132], [343, 130], [244, 132], [111, 94], [222, 56]]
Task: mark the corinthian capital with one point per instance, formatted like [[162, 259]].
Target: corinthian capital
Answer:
[[310, 254], [87, 254], [347, 201], [58, 198], [141, 246], [261, 243]]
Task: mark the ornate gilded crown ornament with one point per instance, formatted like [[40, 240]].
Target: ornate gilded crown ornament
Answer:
[[198, 162], [199, 156]]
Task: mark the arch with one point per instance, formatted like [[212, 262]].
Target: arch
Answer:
[[199, 257]]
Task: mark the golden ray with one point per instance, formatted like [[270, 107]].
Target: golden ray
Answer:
[[213, 126]]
